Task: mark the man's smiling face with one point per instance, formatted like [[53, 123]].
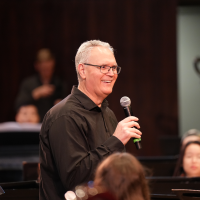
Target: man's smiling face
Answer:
[[100, 85]]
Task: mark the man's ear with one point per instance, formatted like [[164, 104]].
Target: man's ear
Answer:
[[81, 70]]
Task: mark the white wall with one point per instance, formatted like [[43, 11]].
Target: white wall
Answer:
[[188, 47]]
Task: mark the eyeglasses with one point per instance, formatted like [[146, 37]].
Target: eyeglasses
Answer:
[[105, 69]]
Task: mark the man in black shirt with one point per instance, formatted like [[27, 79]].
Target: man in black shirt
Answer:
[[81, 130]]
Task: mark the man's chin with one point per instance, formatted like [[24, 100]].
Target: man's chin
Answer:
[[107, 92]]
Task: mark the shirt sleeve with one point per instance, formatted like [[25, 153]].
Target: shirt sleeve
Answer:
[[74, 160], [24, 96]]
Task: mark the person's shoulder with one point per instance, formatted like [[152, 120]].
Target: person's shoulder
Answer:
[[56, 80], [65, 108], [30, 79]]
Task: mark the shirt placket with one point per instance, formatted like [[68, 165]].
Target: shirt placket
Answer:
[[104, 120]]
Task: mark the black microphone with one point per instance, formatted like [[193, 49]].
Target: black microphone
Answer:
[[126, 104]]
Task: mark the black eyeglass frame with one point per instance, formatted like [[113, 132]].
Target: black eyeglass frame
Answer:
[[118, 67]]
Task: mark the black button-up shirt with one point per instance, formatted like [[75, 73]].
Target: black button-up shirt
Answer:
[[76, 134]]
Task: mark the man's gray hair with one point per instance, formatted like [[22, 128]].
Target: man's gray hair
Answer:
[[84, 50]]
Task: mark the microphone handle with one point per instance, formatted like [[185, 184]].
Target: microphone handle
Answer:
[[137, 141]]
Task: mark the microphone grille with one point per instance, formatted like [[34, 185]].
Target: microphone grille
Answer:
[[125, 101]]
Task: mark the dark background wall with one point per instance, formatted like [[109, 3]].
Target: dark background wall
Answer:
[[142, 32]]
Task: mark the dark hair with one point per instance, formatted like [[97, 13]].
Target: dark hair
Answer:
[[124, 176], [44, 54], [179, 171]]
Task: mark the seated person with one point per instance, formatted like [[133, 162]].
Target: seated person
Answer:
[[188, 164], [123, 176], [27, 119], [44, 89], [27, 114], [190, 135]]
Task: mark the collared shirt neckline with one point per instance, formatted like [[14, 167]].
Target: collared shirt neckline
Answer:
[[86, 101]]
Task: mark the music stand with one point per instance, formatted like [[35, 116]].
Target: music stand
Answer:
[[1, 191], [187, 194]]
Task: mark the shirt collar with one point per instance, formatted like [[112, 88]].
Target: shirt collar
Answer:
[[86, 101]]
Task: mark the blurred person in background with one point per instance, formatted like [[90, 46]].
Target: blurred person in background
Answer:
[[43, 90], [188, 164], [124, 176], [27, 114], [26, 119], [190, 135]]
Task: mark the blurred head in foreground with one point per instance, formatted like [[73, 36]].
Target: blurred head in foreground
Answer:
[[188, 164], [27, 114], [190, 135], [122, 175]]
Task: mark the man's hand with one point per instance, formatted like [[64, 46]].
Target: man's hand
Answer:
[[124, 130], [43, 91]]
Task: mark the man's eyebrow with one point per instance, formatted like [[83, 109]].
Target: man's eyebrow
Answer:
[[115, 65]]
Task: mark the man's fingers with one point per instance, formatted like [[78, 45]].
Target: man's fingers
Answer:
[[133, 124], [130, 118], [128, 128], [136, 131], [136, 136]]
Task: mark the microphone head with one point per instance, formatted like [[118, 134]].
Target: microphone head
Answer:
[[125, 101]]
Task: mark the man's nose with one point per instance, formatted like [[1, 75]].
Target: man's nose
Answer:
[[110, 72]]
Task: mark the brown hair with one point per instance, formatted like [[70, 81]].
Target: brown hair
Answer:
[[179, 171], [124, 176], [44, 55]]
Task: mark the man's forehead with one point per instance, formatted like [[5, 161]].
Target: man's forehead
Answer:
[[100, 52]]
